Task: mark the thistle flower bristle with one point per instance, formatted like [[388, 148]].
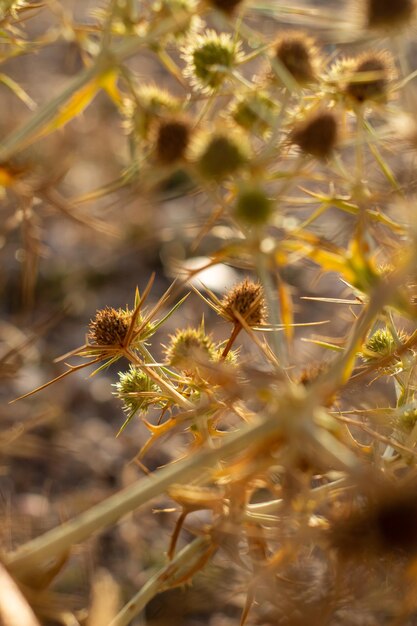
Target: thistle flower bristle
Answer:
[[317, 135], [299, 55], [210, 57], [173, 136], [247, 298], [109, 326], [388, 14]]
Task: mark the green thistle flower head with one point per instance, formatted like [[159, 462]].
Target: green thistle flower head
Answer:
[[136, 391], [210, 58], [190, 348], [221, 155], [253, 206], [378, 345], [254, 113]]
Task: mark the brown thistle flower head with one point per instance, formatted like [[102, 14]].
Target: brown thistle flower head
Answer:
[[227, 6], [388, 13], [299, 55], [172, 139], [109, 327], [371, 75], [317, 135], [247, 298]]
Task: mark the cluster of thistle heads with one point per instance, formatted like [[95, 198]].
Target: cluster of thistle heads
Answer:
[[268, 125]]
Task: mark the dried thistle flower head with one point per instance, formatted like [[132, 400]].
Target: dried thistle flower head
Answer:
[[189, 348], [386, 523], [371, 75], [136, 390], [223, 154], [172, 139], [210, 57], [299, 55], [317, 135], [227, 6], [109, 327], [247, 298], [388, 14], [253, 206]]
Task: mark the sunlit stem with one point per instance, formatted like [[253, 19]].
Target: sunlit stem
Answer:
[[236, 330]]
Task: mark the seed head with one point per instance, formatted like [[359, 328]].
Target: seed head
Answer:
[[109, 327], [172, 140], [209, 59], [223, 155], [299, 56], [136, 390], [317, 135], [247, 298], [371, 75], [253, 206], [189, 348], [388, 14]]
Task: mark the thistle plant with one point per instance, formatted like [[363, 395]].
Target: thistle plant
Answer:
[[261, 155]]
